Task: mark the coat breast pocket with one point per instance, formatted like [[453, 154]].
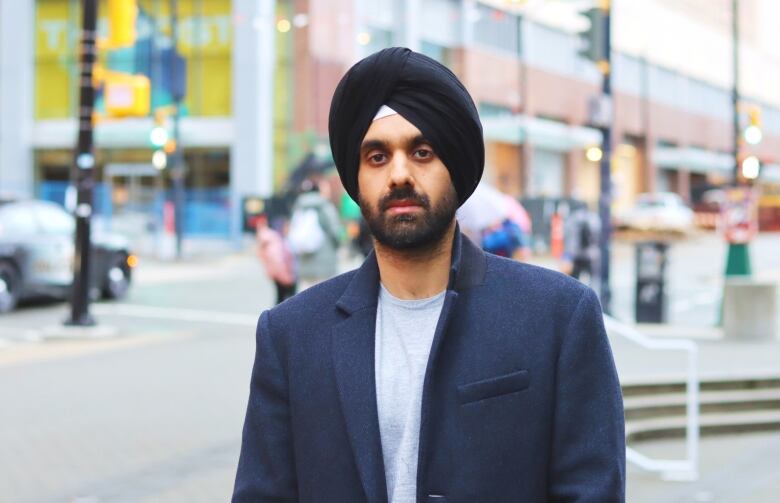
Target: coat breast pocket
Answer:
[[493, 387]]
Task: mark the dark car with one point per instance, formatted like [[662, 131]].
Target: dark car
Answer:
[[37, 255]]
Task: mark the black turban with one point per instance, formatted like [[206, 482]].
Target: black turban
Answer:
[[424, 92]]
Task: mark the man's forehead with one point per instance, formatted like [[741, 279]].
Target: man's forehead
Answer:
[[393, 129]]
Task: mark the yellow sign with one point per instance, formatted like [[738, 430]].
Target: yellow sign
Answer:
[[205, 41], [126, 95]]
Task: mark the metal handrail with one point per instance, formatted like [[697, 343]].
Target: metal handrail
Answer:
[[670, 469]]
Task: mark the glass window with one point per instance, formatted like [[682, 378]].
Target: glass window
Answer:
[[496, 28], [493, 110], [438, 52]]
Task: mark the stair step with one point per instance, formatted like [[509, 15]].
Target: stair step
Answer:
[[709, 424], [709, 401], [748, 383]]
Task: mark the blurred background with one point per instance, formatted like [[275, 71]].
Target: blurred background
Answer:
[[634, 144]]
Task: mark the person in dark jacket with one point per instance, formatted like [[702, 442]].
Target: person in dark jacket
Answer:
[[435, 372]]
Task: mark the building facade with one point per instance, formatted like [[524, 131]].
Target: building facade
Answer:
[[260, 75], [671, 79]]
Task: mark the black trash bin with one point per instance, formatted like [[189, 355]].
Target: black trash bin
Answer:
[[650, 302]]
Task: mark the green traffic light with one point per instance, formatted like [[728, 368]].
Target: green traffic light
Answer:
[[158, 136]]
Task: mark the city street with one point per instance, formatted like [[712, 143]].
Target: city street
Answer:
[[204, 147], [151, 408]]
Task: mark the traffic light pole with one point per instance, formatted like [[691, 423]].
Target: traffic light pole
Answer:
[[83, 172], [177, 168], [735, 87], [738, 254], [605, 197]]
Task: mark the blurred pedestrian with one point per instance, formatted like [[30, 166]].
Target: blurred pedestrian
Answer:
[[581, 255], [314, 236], [275, 254], [436, 371], [505, 239]]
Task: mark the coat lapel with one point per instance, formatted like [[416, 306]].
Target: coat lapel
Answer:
[[353, 358]]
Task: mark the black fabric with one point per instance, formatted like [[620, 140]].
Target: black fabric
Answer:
[[424, 92]]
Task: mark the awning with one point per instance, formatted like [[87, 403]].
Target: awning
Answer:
[[770, 173], [695, 160], [542, 133], [133, 132]]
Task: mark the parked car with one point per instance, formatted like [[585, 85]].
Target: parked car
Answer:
[[662, 211], [37, 255]]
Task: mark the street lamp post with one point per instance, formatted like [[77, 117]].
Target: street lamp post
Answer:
[[177, 161], [605, 197], [738, 256], [83, 171], [597, 48]]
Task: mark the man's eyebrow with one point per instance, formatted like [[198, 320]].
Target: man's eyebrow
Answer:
[[414, 141], [372, 144], [419, 140]]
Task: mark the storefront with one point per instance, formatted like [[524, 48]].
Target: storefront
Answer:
[[127, 182]]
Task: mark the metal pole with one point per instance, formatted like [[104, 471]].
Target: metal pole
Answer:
[[738, 255], [735, 88], [605, 199], [83, 170], [177, 168]]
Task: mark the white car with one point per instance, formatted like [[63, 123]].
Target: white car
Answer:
[[662, 211]]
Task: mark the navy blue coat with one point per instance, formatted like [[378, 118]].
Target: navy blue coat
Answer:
[[521, 400]]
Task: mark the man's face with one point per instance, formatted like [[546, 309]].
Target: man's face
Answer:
[[405, 191]]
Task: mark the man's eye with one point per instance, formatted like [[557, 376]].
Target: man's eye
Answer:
[[423, 154], [376, 158]]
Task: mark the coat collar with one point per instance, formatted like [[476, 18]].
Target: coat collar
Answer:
[[467, 270]]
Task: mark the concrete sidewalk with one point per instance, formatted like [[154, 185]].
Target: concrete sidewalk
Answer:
[[735, 468], [718, 359]]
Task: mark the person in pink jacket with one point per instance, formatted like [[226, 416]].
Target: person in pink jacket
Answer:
[[276, 258]]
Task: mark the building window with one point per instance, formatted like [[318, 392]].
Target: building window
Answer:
[[493, 110], [497, 29], [438, 52]]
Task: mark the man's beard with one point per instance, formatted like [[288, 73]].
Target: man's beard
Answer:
[[410, 231]]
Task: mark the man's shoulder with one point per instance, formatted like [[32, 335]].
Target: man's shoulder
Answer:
[[540, 282], [312, 303]]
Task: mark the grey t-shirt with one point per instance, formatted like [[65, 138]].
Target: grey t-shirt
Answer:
[[404, 333]]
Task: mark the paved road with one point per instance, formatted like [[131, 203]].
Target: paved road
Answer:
[[154, 413]]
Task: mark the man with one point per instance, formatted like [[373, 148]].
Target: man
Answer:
[[277, 259], [322, 231], [435, 372], [581, 244]]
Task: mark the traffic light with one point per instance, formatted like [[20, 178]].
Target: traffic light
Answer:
[[160, 159], [750, 167], [158, 136], [753, 134], [122, 15], [594, 38]]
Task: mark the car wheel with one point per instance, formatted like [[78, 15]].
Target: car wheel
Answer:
[[117, 279], [9, 287]]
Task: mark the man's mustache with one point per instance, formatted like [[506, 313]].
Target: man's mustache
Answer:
[[404, 194]]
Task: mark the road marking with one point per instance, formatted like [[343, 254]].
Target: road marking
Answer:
[[58, 349], [176, 314]]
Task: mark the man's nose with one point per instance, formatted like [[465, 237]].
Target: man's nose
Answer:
[[400, 173]]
